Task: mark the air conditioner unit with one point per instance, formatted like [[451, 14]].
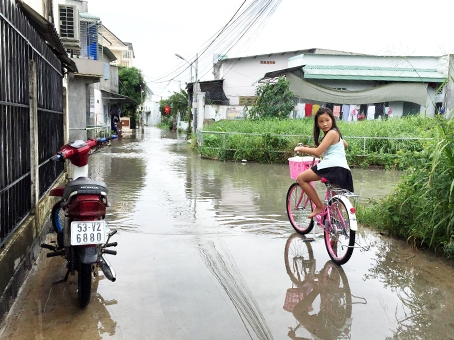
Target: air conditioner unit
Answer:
[[69, 23]]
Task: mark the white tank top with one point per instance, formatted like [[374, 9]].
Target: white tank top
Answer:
[[334, 156]]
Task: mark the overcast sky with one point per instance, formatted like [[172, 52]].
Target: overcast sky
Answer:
[[159, 29]]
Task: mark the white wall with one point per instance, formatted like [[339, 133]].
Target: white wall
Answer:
[[152, 114], [240, 75], [219, 112]]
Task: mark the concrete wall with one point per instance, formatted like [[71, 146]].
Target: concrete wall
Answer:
[[449, 101], [77, 110], [21, 251], [81, 105], [240, 75], [219, 112], [152, 114]]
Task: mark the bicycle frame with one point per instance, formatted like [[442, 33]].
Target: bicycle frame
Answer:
[[325, 215]]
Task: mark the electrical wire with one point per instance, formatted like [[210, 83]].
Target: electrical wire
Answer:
[[242, 27]]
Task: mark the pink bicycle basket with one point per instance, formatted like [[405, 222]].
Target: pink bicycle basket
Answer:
[[298, 164]]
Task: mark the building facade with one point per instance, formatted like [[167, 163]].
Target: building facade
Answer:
[[406, 85]]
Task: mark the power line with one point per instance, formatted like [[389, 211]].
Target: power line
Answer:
[[241, 27]]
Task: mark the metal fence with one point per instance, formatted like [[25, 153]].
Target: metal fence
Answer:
[[24, 138], [364, 145], [95, 131]]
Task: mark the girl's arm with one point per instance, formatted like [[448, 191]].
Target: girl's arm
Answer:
[[330, 137], [345, 143]]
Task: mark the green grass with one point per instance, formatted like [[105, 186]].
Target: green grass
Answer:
[[272, 141], [421, 208]]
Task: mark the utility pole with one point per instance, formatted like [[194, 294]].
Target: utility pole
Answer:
[[141, 110], [195, 93]]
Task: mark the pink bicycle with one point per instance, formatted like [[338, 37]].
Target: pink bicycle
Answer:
[[338, 218]]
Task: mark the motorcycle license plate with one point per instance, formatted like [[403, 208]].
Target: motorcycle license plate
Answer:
[[88, 232]]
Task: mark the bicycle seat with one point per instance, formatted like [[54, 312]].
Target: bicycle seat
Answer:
[[324, 180], [84, 185]]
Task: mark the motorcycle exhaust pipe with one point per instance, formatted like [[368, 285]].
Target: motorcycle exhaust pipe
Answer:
[[107, 269]]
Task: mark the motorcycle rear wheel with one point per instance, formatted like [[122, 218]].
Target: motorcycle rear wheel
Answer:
[[84, 284]]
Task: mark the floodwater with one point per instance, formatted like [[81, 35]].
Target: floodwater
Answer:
[[206, 252]]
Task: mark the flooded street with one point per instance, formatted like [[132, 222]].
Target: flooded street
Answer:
[[206, 251]]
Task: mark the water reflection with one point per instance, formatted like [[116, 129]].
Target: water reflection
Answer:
[[122, 167], [252, 195], [69, 312], [423, 287], [321, 301]]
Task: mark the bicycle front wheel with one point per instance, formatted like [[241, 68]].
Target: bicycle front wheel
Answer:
[[339, 238], [299, 259], [299, 206]]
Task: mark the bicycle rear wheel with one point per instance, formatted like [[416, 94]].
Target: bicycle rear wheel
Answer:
[[337, 296], [339, 238], [299, 206]]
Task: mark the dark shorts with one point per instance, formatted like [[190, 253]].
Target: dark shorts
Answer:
[[336, 175]]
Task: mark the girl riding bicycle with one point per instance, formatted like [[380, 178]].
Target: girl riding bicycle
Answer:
[[333, 165]]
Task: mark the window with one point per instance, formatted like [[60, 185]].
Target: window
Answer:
[[106, 71], [89, 39], [267, 62], [248, 101], [69, 22]]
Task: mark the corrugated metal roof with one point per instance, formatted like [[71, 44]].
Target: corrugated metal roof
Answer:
[[49, 33], [372, 73], [88, 16]]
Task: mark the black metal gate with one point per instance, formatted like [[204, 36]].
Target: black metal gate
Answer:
[[20, 43]]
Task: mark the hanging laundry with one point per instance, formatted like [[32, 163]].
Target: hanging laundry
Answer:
[[300, 110], [315, 108], [353, 113], [379, 110], [336, 111], [345, 112], [371, 112], [308, 110], [363, 109]]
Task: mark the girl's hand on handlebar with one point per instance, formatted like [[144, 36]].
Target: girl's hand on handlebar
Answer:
[[299, 148]]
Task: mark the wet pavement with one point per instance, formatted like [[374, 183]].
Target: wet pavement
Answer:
[[206, 252]]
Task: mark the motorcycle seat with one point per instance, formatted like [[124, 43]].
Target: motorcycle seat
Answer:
[[84, 185]]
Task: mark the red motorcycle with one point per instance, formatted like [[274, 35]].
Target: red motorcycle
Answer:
[[78, 219]]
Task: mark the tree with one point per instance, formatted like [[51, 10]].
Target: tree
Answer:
[[178, 102], [132, 85], [274, 100]]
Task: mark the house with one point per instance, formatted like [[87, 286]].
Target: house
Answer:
[[240, 75], [123, 51], [367, 83], [407, 85], [93, 90]]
